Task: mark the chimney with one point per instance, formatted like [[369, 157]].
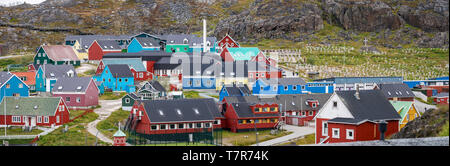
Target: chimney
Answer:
[[357, 93], [204, 35]]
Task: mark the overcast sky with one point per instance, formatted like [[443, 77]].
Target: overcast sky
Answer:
[[8, 2]]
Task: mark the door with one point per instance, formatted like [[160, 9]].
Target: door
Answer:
[[33, 121], [26, 120], [295, 121]]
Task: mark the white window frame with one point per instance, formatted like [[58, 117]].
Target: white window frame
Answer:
[[335, 135], [324, 132], [157, 127], [46, 119], [78, 99], [39, 119], [310, 113], [347, 131], [294, 87], [16, 119], [127, 100], [57, 119]]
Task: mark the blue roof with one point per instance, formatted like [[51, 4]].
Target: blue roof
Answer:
[[440, 78], [135, 63], [352, 80]]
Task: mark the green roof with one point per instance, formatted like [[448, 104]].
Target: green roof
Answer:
[[402, 107], [119, 133], [243, 53], [38, 106]]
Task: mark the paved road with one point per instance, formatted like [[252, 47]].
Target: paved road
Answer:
[[108, 106], [421, 106], [297, 132], [85, 67]]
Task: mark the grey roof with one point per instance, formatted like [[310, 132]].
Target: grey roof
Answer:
[[58, 71], [372, 105], [135, 63], [4, 76], [285, 81], [109, 45], [133, 96], [72, 84], [153, 85], [442, 94], [148, 42], [352, 80], [396, 90], [207, 110], [292, 102], [120, 70], [237, 90], [191, 39], [197, 69], [86, 40]]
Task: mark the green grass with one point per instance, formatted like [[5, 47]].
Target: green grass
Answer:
[[111, 122], [307, 139], [249, 138], [16, 141], [191, 94], [75, 113], [18, 131], [444, 131], [20, 60], [179, 144], [77, 134], [112, 95]]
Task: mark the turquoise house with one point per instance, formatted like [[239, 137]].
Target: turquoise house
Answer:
[[11, 85], [117, 77], [139, 44], [47, 75]]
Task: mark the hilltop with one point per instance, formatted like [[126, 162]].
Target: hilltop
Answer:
[[387, 23]]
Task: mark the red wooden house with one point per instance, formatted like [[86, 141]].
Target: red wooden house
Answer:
[[77, 92], [355, 116], [174, 116], [301, 108], [226, 41], [99, 48], [248, 113], [441, 98], [34, 111]]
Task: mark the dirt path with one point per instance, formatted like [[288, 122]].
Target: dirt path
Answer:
[[108, 106]]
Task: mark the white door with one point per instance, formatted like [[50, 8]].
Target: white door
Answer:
[[33, 121], [295, 121]]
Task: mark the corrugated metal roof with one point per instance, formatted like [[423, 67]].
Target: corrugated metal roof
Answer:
[[60, 53], [135, 63], [72, 84], [34, 106]]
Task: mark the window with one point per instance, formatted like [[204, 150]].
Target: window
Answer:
[[217, 122], [20, 85], [324, 128], [350, 134], [57, 119], [285, 87], [162, 127], [311, 113], [141, 75], [180, 126], [8, 86], [275, 88], [67, 99], [78, 99], [154, 127], [39, 119], [335, 133], [198, 125], [303, 113], [314, 105], [120, 79], [207, 125], [294, 87], [190, 125], [127, 100], [45, 119], [303, 87], [334, 103], [16, 119], [172, 126]]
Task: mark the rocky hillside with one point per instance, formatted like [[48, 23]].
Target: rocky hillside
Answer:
[[432, 123], [388, 23]]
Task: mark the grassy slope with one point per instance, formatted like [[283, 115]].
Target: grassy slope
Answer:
[[111, 122]]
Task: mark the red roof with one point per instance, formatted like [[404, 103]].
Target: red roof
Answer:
[[30, 77]]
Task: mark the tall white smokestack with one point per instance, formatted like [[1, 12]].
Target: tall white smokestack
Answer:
[[204, 35]]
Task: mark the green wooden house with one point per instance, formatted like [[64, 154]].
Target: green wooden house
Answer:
[[152, 90], [56, 55]]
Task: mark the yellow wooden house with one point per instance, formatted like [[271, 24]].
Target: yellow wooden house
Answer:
[[82, 53], [406, 110], [221, 81]]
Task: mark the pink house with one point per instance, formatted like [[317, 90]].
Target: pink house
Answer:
[[77, 92]]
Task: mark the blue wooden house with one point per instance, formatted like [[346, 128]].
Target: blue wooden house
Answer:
[[11, 85], [117, 77], [440, 81], [234, 90], [139, 44], [200, 77], [47, 75], [278, 86], [319, 87], [364, 83]]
